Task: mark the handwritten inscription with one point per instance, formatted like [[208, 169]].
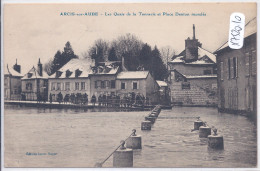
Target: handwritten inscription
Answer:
[[236, 30]]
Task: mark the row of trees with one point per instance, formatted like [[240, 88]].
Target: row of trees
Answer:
[[137, 55]]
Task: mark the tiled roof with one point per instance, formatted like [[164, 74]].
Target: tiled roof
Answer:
[[133, 75], [202, 53], [82, 65], [33, 73], [10, 71], [82, 68], [200, 76]]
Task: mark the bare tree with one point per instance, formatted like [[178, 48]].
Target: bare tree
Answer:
[[167, 53], [99, 50], [126, 44]]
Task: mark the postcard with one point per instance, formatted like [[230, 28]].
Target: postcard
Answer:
[[139, 85]]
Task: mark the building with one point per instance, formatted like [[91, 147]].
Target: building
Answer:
[[12, 82], [72, 78], [35, 84], [237, 73], [109, 79], [138, 83], [193, 75], [164, 91], [103, 79]]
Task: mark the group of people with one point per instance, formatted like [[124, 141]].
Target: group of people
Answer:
[[109, 100], [70, 98]]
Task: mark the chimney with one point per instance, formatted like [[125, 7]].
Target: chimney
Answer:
[[194, 32], [17, 67], [191, 48], [40, 68], [123, 64]]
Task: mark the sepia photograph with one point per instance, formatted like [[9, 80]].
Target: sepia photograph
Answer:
[[129, 85]]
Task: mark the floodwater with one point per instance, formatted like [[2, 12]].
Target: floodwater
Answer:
[[78, 138]]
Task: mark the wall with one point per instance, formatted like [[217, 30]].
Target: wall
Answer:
[[32, 94], [201, 92], [148, 87], [191, 69], [72, 82], [141, 86], [12, 87], [99, 90], [152, 89], [238, 94]]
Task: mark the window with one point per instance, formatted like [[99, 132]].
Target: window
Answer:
[[113, 84], [247, 60], [134, 85], [96, 86], [185, 85], [254, 63], [102, 84], [76, 85], [52, 86], [58, 86], [67, 86], [29, 86], [229, 69], [123, 86], [235, 67], [207, 72], [107, 83], [83, 86], [222, 70]]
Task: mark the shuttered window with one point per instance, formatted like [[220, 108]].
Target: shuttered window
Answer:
[[222, 70], [235, 67], [254, 63], [247, 64], [229, 69]]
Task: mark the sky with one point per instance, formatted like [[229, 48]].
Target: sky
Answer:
[[33, 31]]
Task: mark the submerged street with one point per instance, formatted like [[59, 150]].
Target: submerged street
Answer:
[[81, 138]]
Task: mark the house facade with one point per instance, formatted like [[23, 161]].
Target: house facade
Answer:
[[237, 74], [72, 78], [138, 83], [12, 82], [193, 75], [35, 84], [103, 79]]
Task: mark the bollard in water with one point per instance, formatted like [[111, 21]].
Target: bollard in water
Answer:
[[215, 141], [146, 125], [197, 124], [204, 131], [153, 115], [134, 141], [123, 157], [151, 119]]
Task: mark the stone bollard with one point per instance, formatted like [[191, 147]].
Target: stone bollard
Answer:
[[204, 131], [153, 115], [134, 141], [215, 141], [197, 124], [151, 119], [123, 157], [146, 125]]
